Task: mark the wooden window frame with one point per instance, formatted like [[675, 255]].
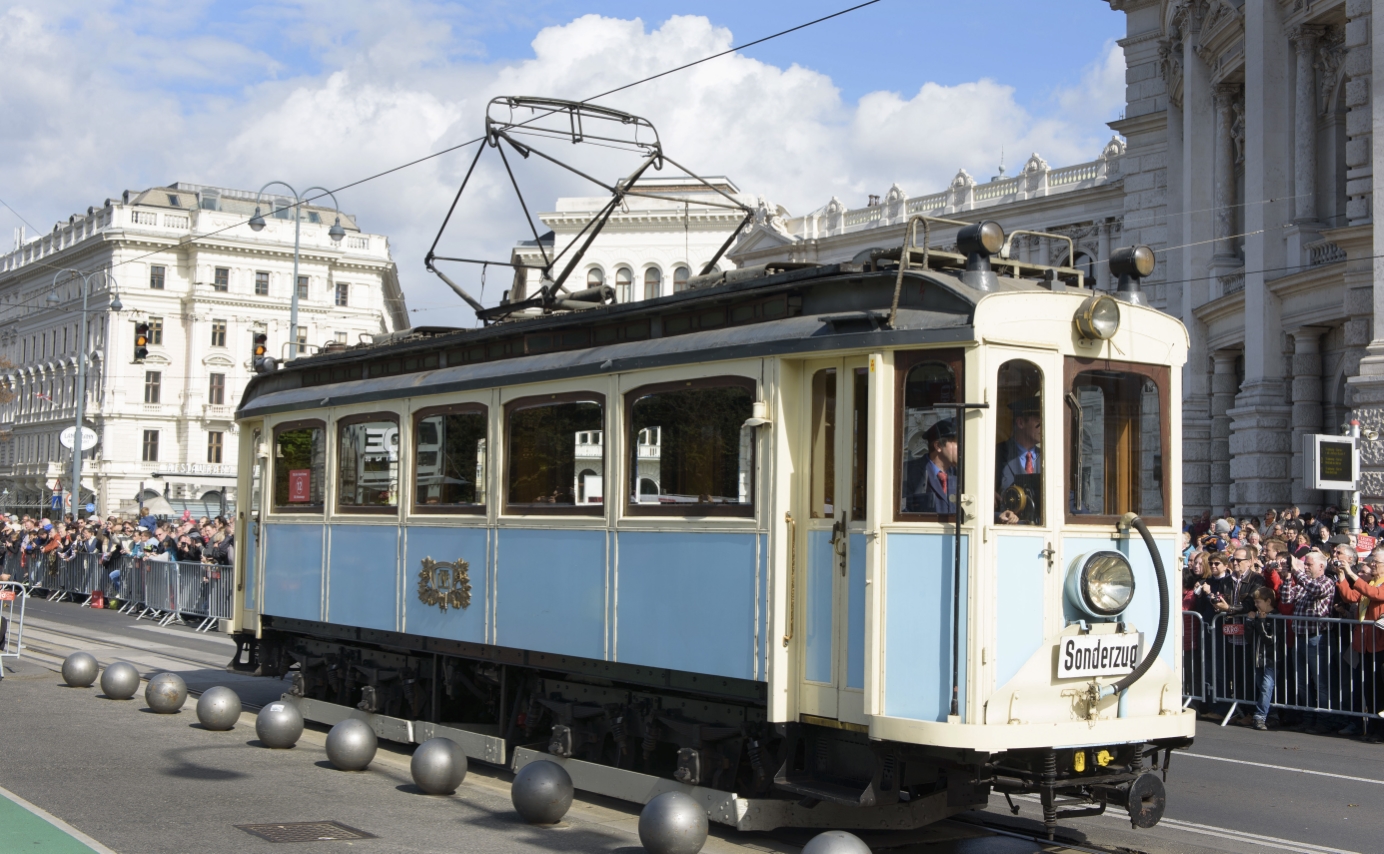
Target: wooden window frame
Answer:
[[744, 511], [370, 509], [1161, 376], [296, 509], [531, 402], [905, 361], [447, 509]]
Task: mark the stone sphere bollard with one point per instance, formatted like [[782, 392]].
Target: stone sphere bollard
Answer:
[[120, 681], [673, 823], [279, 725], [352, 744], [542, 792], [438, 766], [836, 842], [79, 669], [166, 693], [218, 708]]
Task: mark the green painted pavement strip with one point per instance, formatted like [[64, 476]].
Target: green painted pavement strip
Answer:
[[22, 830]]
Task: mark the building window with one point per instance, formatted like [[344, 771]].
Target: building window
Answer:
[[156, 277], [343, 293], [151, 446], [216, 389], [680, 277], [341, 337], [595, 277], [156, 330], [302, 287], [222, 280], [262, 284], [153, 381], [302, 335], [624, 279], [653, 278], [214, 445], [218, 333]]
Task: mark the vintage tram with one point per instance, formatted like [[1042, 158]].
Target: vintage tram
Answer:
[[848, 545]]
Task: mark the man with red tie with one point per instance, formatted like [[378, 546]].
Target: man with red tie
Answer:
[[1019, 465], [934, 484]]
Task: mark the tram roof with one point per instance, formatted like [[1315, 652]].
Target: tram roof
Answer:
[[796, 311]]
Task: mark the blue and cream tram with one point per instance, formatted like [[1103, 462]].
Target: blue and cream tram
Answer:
[[711, 541]]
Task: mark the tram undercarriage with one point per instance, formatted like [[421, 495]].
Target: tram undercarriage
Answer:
[[662, 727]]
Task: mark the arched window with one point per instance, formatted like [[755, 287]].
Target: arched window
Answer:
[[624, 280], [653, 281], [595, 277], [1020, 461], [927, 429], [680, 277]]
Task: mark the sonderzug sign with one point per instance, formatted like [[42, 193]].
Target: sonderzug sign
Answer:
[[1099, 655]]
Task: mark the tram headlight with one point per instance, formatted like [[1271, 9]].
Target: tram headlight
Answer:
[[1101, 584], [1098, 318]]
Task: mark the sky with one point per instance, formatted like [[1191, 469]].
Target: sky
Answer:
[[103, 96]]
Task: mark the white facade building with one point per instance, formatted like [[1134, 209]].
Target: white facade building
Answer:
[[648, 248], [182, 260]]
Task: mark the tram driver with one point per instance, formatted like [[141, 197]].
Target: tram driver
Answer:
[[1019, 465], [933, 484]]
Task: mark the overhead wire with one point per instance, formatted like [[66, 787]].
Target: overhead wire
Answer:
[[434, 155]]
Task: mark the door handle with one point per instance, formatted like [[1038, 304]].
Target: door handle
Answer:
[[839, 540]]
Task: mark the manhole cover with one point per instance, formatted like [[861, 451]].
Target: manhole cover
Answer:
[[305, 831]]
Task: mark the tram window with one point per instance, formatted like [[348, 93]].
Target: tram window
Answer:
[[300, 464], [860, 447], [556, 454], [824, 444], [367, 470], [926, 465], [1116, 431], [449, 460], [690, 451], [1019, 460]]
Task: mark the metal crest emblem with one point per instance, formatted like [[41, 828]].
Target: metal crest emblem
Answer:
[[446, 585]]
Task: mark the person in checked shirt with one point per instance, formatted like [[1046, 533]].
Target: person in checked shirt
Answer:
[[1311, 592]]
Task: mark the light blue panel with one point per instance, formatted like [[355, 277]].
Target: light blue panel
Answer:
[[550, 588], [687, 602], [1143, 611], [364, 582], [819, 635], [855, 614], [251, 558], [293, 571], [1020, 574], [918, 605], [446, 545], [763, 593]]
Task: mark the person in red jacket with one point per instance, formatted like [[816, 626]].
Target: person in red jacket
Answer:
[[1363, 593]]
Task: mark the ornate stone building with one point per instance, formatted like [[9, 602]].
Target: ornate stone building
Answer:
[[182, 259], [1251, 153]]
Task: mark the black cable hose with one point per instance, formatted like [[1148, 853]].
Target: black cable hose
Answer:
[[1152, 655]]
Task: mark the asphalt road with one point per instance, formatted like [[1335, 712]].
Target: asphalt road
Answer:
[[136, 781]]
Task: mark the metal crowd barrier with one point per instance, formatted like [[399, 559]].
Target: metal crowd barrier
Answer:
[[1323, 667], [195, 594], [13, 595]]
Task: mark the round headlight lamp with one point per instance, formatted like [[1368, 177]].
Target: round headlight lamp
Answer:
[[1101, 584], [1098, 318], [980, 238]]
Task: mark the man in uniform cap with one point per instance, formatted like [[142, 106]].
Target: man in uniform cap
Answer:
[[1018, 458], [934, 487]]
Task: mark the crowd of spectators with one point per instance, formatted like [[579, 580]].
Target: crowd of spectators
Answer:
[[207, 540], [1292, 614]]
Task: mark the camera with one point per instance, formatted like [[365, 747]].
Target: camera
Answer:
[[1336, 565]]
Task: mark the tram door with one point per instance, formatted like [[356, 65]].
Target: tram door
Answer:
[[252, 514], [832, 539]]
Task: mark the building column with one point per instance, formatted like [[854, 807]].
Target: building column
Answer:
[[1224, 386], [1226, 94], [1304, 39], [1307, 406]]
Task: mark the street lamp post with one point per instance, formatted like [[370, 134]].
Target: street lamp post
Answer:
[[77, 448], [336, 232]]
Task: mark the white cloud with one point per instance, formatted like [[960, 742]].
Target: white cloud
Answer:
[[100, 99]]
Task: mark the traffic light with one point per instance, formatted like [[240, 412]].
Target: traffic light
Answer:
[[141, 341], [260, 360], [261, 345]]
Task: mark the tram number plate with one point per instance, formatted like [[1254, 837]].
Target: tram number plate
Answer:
[[1099, 655]]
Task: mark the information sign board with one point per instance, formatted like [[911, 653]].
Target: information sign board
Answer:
[[1330, 462]]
